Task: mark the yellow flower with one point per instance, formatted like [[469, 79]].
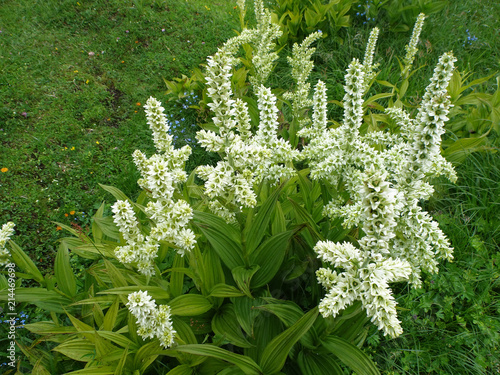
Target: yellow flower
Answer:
[[73, 148], [72, 212], [4, 170], [97, 142]]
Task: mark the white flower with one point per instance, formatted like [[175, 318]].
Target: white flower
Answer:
[[5, 233], [153, 321]]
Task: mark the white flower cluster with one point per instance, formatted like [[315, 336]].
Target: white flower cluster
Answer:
[[369, 53], [170, 216], [363, 279], [5, 233], [302, 66], [153, 321], [385, 177], [247, 158], [264, 46], [411, 48]]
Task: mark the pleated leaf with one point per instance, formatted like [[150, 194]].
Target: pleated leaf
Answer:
[[350, 355], [225, 323], [246, 364], [189, 305], [276, 352]]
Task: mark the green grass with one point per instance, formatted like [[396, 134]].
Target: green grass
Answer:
[[74, 76]]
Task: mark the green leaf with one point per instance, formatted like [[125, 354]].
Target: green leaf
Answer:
[[269, 257], [64, 273], [224, 290], [78, 349], [189, 305], [312, 364], [225, 323], [246, 364], [97, 370], [350, 355], [43, 328], [110, 317], [242, 276], [181, 370], [96, 231], [278, 223], [276, 352], [24, 262], [115, 275], [459, 150], [260, 223], [48, 299], [154, 291], [222, 238], [184, 331], [121, 363], [115, 192], [118, 339], [177, 277], [373, 98], [302, 216], [107, 226], [246, 312]]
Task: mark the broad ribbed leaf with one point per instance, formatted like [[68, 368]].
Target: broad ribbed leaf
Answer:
[[350, 355], [181, 370], [225, 323], [24, 262], [121, 363], [276, 352], [154, 291], [115, 275], [184, 331], [115, 192], [177, 277], [77, 349], [246, 364], [246, 312], [110, 317], [107, 226], [222, 238], [64, 273], [302, 216], [189, 305], [260, 223], [224, 290], [311, 363], [269, 257], [94, 370], [242, 276], [462, 148], [278, 224], [42, 297], [118, 339]]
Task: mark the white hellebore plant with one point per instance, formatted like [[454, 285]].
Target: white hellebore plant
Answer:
[[382, 176]]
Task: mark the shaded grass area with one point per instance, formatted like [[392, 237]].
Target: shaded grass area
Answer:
[[74, 78]]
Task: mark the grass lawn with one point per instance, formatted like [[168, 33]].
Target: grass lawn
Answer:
[[74, 77]]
